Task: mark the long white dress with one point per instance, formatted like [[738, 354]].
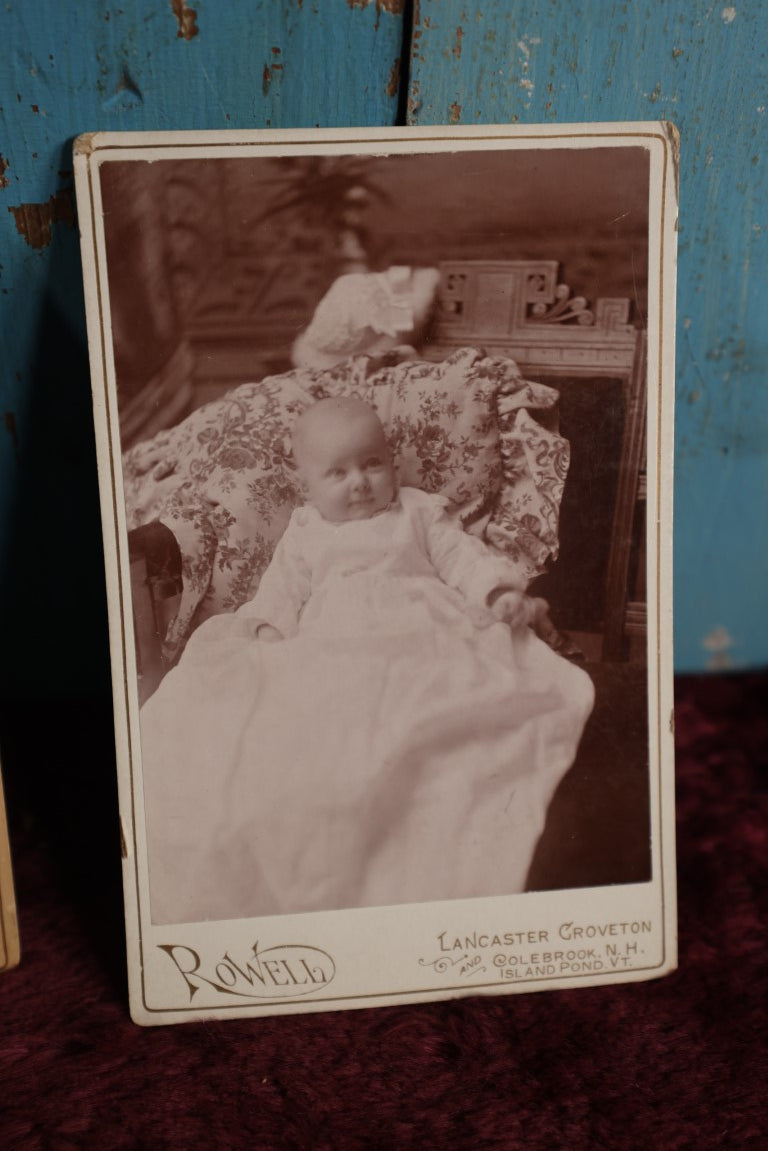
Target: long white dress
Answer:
[[397, 746]]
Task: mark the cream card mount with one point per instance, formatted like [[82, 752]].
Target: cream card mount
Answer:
[[357, 765]]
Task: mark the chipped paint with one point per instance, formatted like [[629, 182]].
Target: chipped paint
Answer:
[[35, 221], [524, 81], [414, 99], [186, 18], [270, 72], [454, 113], [457, 46], [728, 15], [393, 87], [394, 7], [4, 166]]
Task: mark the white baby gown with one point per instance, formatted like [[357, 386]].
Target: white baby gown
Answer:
[[397, 746]]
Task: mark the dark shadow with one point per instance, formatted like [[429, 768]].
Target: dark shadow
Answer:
[[404, 77], [55, 690], [591, 417], [598, 828]]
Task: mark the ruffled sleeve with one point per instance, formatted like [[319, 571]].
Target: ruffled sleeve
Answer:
[[461, 560], [285, 586]]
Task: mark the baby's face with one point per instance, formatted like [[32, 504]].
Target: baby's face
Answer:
[[348, 470]]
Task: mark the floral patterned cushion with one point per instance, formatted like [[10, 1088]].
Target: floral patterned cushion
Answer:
[[525, 520], [223, 480]]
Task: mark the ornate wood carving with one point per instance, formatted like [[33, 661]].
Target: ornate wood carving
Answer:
[[519, 308]]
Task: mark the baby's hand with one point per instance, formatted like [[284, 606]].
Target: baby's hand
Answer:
[[263, 631], [517, 609], [268, 634]]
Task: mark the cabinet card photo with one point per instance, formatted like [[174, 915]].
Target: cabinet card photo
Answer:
[[384, 422]]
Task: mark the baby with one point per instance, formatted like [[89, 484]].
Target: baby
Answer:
[[347, 474], [386, 712]]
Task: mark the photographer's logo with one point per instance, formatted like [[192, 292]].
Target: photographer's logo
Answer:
[[283, 971]]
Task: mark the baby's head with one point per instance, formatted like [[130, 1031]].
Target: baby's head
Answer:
[[343, 459]]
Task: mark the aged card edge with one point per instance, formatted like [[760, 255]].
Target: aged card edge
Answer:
[[86, 152]]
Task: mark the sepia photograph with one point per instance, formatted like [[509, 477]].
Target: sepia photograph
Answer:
[[376, 474]]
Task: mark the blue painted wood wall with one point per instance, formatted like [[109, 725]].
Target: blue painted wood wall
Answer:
[[167, 64]]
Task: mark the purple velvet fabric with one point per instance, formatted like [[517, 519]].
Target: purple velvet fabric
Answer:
[[676, 1063]]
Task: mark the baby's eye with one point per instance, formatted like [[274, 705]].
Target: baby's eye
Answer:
[[373, 462], [337, 473]]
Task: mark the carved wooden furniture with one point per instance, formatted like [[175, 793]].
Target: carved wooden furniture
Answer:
[[518, 308]]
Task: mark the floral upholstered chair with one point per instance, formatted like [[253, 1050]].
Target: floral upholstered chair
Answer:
[[221, 485]]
